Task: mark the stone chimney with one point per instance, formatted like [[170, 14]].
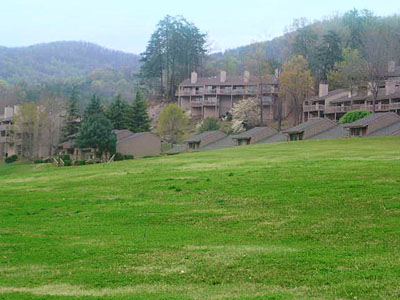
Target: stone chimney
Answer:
[[390, 87], [391, 66], [223, 77], [323, 90], [193, 78], [8, 112], [246, 76]]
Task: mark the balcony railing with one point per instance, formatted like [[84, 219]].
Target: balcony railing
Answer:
[[394, 106], [337, 109], [317, 107], [210, 91], [237, 92], [211, 102], [196, 103]]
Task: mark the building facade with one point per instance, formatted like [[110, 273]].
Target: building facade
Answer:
[[204, 97], [334, 104], [10, 143]]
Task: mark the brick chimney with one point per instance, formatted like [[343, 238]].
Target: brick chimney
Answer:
[[8, 112], [193, 78], [246, 76], [323, 90], [391, 66], [223, 77]]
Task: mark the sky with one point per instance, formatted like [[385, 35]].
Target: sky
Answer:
[[127, 24]]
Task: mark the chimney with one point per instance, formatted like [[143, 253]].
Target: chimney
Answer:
[[223, 76], [246, 76], [323, 90], [8, 112], [390, 87], [193, 78], [391, 66]]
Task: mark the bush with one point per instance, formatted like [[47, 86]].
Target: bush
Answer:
[[11, 159], [65, 157], [48, 160], [38, 161], [128, 156], [119, 156], [209, 124], [353, 116], [67, 163], [80, 163]]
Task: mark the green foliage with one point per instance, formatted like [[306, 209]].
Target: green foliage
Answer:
[[116, 113], [136, 117], [119, 156], [96, 133], [11, 159], [38, 161], [94, 107], [209, 124], [172, 123], [71, 121], [65, 157], [128, 156], [67, 163], [176, 48], [80, 163], [353, 116]]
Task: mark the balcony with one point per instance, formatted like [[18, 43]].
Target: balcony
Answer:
[[224, 91], [237, 92], [210, 91], [317, 107], [211, 102], [394, 106], [196, 103], [337, 109], [186, 92]]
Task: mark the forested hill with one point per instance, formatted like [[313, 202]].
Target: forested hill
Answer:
[[61, 60]]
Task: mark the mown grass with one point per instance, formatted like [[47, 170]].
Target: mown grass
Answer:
[[302, 220]]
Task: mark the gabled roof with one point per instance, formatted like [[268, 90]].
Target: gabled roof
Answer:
[[391, 130], [368, 119], [198, 138], [279, 137], [134, 136], [230, 80], [225, 142], [336, 132], [330, 94], [249, 133], [303, 126], [363, 95]]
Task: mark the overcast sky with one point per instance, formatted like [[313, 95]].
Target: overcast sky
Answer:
[[127, 24]]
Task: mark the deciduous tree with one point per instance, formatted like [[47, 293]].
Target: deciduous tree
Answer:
[[172, 123]]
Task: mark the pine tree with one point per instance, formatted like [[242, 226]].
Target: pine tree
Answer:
[[94, 107], [137, 119], [71, 125], [116, 111]]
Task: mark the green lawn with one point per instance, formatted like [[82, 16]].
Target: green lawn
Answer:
[[301, 220]]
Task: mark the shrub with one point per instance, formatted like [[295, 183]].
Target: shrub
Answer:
[[67, 163], [209, 124], [48, 160], [353, 116], [38, 161], [80, 163], [128, 156], [11, 159], [119, 156], [65, 157]]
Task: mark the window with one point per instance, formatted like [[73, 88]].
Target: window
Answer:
[[296, 136], [356, 131]]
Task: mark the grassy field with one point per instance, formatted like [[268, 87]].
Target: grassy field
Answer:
[[301, 220]]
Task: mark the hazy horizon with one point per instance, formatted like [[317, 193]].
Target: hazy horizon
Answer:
[[127, 25]]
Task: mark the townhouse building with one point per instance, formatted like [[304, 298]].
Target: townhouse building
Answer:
[[10, 143], [204, 97]]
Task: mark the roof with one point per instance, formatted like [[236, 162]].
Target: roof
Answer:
[[336, 132], [249, 133], [201, 136], [368, 119], [226, 142], [330, 94], [279, 137], [230, 80], [391, 130], [303, 126], [134, 136], [67, 144]]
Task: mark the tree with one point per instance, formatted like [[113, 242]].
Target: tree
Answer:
[[209, 124], [329, 53], [258, 63], [137, 118], [172, 123], [296, 84], [96, 133], [94, 107], [71, 119], [348, 73], [51, 124], [245, 114], [116, 111], [175, 49]]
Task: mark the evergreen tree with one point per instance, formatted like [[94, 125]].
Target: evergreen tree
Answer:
[[137, 119], [94, 107], [96, 133], [71, 125], [116, 111]]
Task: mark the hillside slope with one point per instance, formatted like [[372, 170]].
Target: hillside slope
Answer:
[[60, 60], [300, 220]]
